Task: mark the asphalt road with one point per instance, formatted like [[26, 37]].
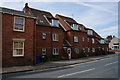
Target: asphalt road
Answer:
[[105, 68]]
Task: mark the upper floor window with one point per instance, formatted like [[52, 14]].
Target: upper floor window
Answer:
[[55, 37], [83, 39], [93, 40], [88, 39], [75, 27], [88, 49], [90, 32], [43, 51], [43, 35], [93, 49], [55, 51], [18, 47], [75, 38], [55, 23], [102, 41], [19, 24], [102, 48]]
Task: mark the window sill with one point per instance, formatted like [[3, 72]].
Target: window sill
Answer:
[[18, 31], [18, 56], [75, 42], [55, 40]]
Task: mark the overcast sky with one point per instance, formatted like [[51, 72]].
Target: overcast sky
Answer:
[[100, 16]]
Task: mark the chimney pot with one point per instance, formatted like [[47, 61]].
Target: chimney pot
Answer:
[[26, 4]]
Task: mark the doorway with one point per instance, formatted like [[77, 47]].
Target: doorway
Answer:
[[69, 53]]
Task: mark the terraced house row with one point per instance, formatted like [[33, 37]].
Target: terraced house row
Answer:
[[31, 34]]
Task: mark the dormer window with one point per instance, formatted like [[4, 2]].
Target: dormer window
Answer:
[[102, 41], [75, 27], [90, 32], [55, 23]]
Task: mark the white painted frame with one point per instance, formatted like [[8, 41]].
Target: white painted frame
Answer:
[[23, 24], [19, 40]]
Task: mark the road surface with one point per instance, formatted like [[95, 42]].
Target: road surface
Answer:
[[105, 68]]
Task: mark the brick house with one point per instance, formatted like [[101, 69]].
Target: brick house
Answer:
[[32, 34], [81, 39], [97, 44], [18, 35], [49, 34], [76, 36]]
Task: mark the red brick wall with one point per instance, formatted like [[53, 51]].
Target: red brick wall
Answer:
[[48, 43], [59, 43], [7, 42], [41, 43], [80, 44]]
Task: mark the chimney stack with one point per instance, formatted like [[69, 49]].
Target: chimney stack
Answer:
[[26, 4]]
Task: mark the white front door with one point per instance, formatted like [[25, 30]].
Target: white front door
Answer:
[[69, 53]]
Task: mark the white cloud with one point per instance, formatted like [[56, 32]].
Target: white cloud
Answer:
[[109, 31], [98, 15], [92, 18], [96, 7], [113, 28], [59, 1]]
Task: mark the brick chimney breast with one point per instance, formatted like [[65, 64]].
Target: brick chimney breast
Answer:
[[26, 9]]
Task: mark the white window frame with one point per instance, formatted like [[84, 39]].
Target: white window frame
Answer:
[[88, 49], [75, 38], [44, 35], [54, 36], [83, 39], [74, 26], [55, 51], [93, 40], [84, 50], [88, 39], [103, 49], [18, 23], [18, 40], [102, 41], [93, 49], [55, 24], [43, 50], [90, 32]]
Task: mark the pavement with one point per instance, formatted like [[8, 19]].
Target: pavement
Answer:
[[53, 64]]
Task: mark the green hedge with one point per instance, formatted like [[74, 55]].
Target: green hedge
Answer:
[[81, 54], [50, 58]]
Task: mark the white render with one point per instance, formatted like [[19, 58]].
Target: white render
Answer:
[[114, 42]]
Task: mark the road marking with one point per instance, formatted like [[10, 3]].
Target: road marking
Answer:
[[111, 63], [75, 73], [90, 62]]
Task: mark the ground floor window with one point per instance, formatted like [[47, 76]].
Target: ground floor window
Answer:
[[18, 47], [43, 51], [84, 50], [88, 49], [93, 49], [55, 51], [76, 50]]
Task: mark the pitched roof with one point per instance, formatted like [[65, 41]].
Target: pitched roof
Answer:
[[81, 27], [15, 12], [96, 34], [68, 19], [43, 17]]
